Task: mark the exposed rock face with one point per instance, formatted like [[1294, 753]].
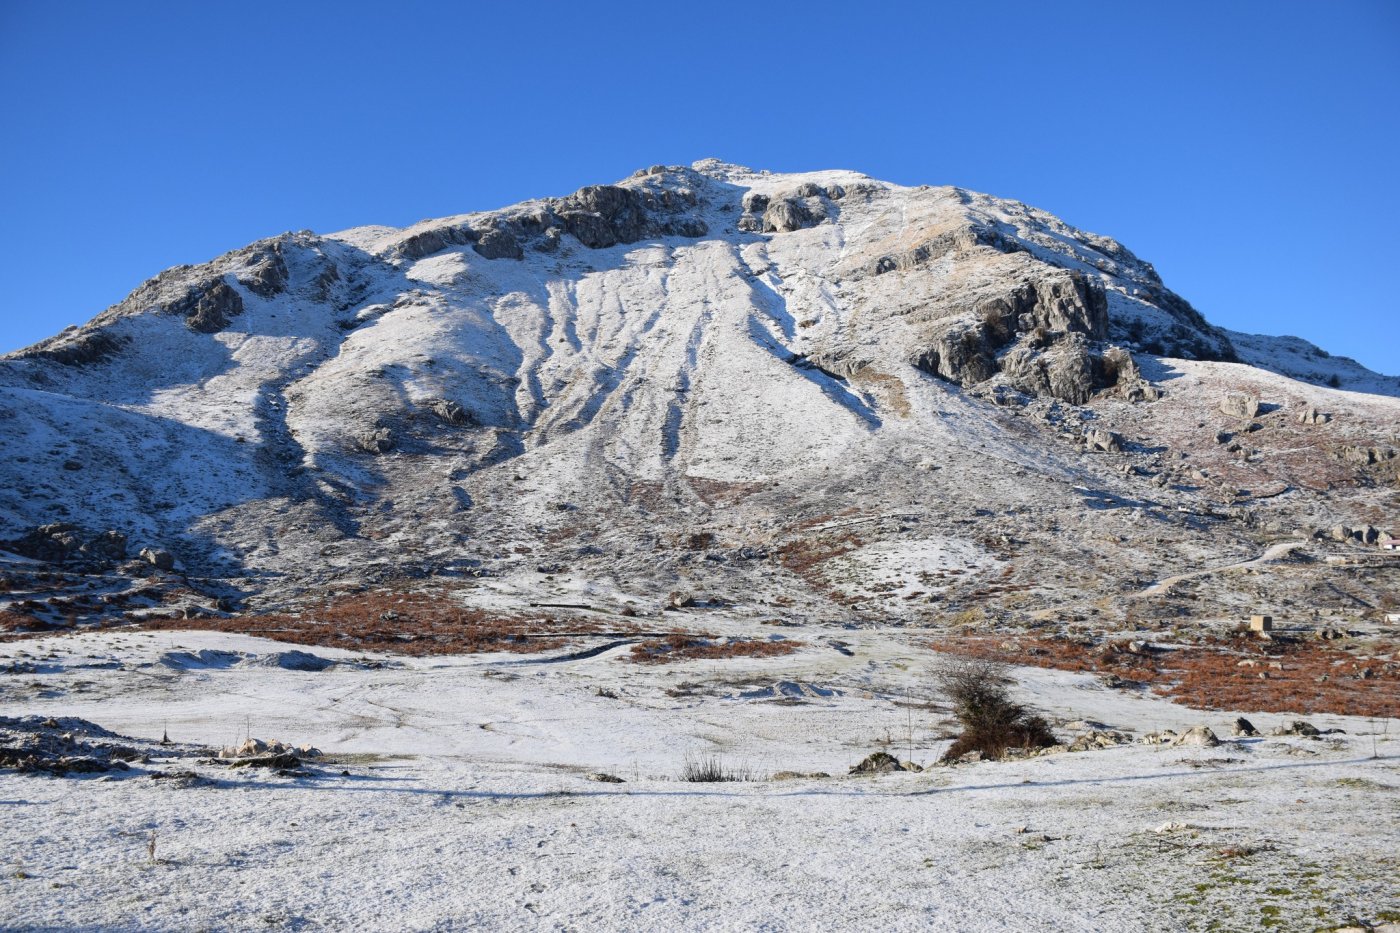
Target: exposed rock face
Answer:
[[266, 271], [1049, 326], [499, 244], [210, 308]]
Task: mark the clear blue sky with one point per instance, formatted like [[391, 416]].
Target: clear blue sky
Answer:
[[1248, 149]]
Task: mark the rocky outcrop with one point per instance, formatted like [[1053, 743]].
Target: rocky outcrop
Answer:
[[1050, 325], [600, 216], [209, 308], [1067, 370], [498, 243], [1365, 456], [63, 542], [804, 206], [108, 546], [428, 242], [265, 272], [1198, 736], [75, 348], [785, 215]]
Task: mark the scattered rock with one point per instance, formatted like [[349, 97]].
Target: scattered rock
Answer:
[[1244, 727], [283, 761], [378, 441], [1097, 438], [1311, 415], [158, 558], [604, 778], [450, 411], [1297, 727], [1095, 739], [878, 763], [1240, 405]]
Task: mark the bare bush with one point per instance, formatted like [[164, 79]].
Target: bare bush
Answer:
[[992, 722]]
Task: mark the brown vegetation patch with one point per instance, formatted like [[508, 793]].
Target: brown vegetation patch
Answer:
[[19, 622], [721, 492], [1239, 672], [412, 624], [806, 554], [680, 647], [889, 388]]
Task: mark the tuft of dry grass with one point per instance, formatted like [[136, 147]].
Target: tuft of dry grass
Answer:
[[682, 647], [711, 769]]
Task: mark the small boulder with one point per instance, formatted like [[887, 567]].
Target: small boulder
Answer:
[[110, 545], [878, 763], [158, 558], [450, 411], [1298, 727], [1240, 405], [378, 441], [1243, 727], [1097, 438], [1311, 415], [1197, 736]]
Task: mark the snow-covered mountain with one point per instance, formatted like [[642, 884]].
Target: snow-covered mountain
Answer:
[[815, 394]]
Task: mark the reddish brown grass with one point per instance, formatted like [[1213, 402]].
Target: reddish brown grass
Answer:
[[1312, 677], [19, 623], [681, 647], [412, 624], [805, 555]]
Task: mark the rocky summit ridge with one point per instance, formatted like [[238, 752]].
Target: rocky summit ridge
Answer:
[[705, 388]]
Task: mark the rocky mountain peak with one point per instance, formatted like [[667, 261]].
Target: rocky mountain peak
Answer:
[[562, 396]]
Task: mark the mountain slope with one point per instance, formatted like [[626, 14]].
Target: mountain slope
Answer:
[[781, 394]]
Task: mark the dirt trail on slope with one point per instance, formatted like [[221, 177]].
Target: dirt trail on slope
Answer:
[[1273, 553]]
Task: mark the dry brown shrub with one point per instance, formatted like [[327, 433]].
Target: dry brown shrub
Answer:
[[1222, 673], [993, 723], [806, 554], [402, 623], [682, 647], [19, 622]]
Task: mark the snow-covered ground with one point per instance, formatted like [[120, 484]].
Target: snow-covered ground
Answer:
[[456, 795]]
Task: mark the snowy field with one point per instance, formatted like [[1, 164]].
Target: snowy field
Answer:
[[461, 793]]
